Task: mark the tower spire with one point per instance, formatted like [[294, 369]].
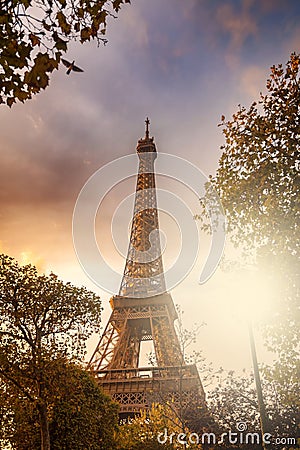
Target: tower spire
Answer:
[[147, 122]]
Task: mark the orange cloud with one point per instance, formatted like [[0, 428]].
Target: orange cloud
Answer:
[[252, 80], [239, 25]]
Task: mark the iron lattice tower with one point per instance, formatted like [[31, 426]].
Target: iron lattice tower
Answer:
[[144, 311]]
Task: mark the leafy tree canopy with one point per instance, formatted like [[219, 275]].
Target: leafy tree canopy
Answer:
[[80, 415], [83, 417], [258, 183], [43, 322], [258, 175], [142, 432], [234, 401], [35, 33]]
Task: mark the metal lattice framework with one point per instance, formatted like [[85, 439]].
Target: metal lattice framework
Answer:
[[144, 273], [144, 311], [133, 321]]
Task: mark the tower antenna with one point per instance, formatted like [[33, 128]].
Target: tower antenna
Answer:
[[147, 122]]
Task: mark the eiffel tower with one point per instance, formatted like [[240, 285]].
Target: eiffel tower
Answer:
[[144, 311]]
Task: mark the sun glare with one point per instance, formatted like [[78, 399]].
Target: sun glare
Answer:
[[251, 295], [27, 257]]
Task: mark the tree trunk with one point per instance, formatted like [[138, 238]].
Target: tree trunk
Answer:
[[44, 424]]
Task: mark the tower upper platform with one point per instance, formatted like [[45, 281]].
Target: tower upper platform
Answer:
[[146, 144]]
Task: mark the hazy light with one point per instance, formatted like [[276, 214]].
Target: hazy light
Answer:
[[251, 295]]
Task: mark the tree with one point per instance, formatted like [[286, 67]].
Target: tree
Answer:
[[258, 174], [80, 415], [258, 183], [83, 417], [19, 422], [43, 322], [35, 33], [233, 401], [143, 432]]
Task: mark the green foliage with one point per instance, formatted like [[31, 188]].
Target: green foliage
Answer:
[[258, 183], [34, 34], [42, 316], [82, 417], [43, 322], [234, 400], [141, 432], [258, 175]]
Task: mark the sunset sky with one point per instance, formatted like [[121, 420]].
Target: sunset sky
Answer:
[[183, 64]]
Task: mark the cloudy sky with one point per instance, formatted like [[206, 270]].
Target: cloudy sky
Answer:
[[183, 64]]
